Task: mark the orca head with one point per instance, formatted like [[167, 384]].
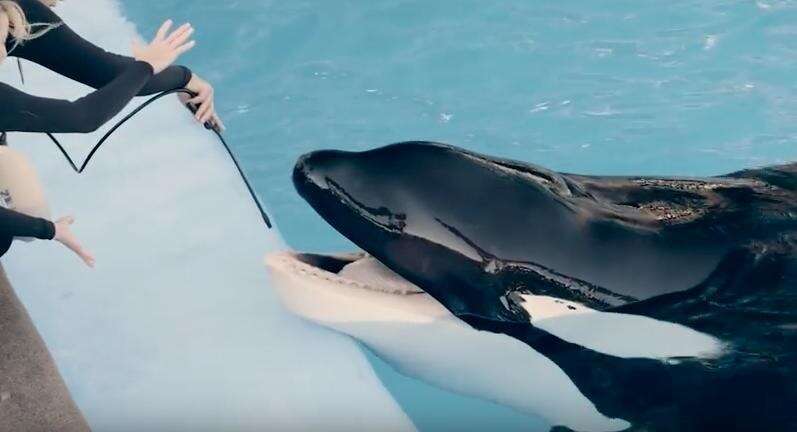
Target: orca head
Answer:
[[420, 209], [502, 244], [476, 232], [440, 217]]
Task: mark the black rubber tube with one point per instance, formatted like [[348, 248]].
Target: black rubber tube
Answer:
[[124, 120]]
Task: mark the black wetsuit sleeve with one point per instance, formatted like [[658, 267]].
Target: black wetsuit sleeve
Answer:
[[21, 112], [65, 52], [15, 224]]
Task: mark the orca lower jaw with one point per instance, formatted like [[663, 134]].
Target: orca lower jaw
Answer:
[[356, 270], [360, 271]]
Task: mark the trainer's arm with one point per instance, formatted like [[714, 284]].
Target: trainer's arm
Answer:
[[65, 52], [22, 112], [15, 224]]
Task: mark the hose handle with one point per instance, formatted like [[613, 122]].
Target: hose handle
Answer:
[[208, 125]]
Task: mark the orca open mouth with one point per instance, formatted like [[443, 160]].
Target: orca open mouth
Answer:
[[684, 283], [400, 205], [355, 270], [478, 233]]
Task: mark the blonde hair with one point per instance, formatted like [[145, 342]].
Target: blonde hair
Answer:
[[19, 28]]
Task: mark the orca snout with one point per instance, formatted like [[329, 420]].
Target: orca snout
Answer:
[[317, 169], [310, 167], [304, 165]]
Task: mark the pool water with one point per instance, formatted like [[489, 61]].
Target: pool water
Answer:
[[642, 87]]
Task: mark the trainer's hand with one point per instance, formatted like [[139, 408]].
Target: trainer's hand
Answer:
[[64, 235], [165, 47], [204, 101]]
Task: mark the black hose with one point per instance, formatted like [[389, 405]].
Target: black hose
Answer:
[[208, 126]]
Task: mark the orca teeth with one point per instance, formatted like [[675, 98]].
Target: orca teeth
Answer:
[[320, 274]]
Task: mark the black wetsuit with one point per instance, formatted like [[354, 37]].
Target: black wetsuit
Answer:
[[117, 80]]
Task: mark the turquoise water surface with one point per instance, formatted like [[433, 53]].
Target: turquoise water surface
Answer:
[[643, 87]]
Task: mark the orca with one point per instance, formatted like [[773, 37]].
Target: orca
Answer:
[[595, 302]]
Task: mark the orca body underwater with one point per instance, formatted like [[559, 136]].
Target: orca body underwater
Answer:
[[598, 303]]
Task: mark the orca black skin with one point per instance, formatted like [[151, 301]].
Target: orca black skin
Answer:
[[715, 254]]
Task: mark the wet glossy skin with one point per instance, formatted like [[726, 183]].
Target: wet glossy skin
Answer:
[[467, 228], [718, 255]]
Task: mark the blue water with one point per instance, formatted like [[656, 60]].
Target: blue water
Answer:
[[644, 87]]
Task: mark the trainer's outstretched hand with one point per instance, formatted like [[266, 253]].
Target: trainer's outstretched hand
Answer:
[[165, 47], [64, 235], [204, 102]]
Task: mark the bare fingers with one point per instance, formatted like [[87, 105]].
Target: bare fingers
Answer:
[[69, 220], [181, 35], [86, 256], [199, 98], [170, 36], [163, 30], [72, 243], [216, 121], [182, 49], [205, 111]]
